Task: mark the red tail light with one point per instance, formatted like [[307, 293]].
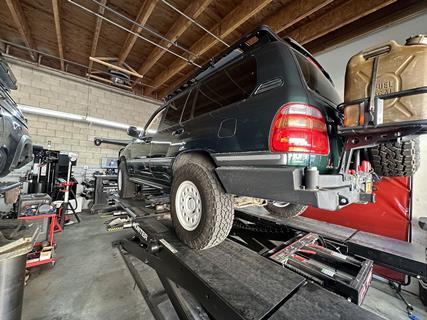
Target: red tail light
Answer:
[[298, 127]]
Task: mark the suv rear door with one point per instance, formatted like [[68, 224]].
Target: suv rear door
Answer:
[[214, 119], [168, 140], [139, 155]]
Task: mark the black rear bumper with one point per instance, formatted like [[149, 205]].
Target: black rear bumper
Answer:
[[287, 185]]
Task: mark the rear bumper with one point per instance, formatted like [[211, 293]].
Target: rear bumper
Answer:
[[287, 185]]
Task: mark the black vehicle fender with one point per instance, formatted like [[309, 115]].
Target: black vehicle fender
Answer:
[[198, 156], [122, 158]]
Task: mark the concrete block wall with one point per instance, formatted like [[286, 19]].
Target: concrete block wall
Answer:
[[49, 89]]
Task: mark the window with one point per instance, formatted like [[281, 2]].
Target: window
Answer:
[[243, 74], [186, 115], [316, 80], [227, 86], [173, 113], [153, 126]]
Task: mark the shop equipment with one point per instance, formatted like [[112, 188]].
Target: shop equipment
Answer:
[[16, 240], [269, 267]]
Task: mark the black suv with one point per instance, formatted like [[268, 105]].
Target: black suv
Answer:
[[256, 126], [15, 143]]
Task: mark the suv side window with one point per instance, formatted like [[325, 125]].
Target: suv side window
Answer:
[[153, 127], [186, 115], [173, 113], [230, 85], [316, 80], [244, 75]]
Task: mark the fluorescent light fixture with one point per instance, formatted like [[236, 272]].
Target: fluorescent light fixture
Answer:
[[72, 116], [50, 113], [107, 123]]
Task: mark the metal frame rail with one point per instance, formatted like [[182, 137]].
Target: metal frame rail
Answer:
[[229, 281], [408, 258]]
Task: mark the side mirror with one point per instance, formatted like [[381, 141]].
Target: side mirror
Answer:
[[134, 132]]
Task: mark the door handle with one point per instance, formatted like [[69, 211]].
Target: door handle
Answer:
[[178, 132]]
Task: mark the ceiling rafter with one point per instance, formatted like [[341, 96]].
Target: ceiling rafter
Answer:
[[389, 15], [179, 27], [235, 18], [294, 12], [96, 34], [57, 19], [336, 18], [143, 15], [22, 25], [284, 18]]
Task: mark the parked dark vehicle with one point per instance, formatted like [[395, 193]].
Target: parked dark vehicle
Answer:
[[257, 126], [15, 142]]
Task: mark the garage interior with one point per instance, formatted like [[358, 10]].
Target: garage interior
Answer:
[[91, 73]]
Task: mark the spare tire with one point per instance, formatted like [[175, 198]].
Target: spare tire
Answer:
[[394, 159]]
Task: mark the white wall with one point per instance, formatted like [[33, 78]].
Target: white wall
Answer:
[[335, 61], [50, 89]]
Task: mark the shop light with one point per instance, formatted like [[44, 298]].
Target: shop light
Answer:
[[50, 113], [107, 123], [73, 117]]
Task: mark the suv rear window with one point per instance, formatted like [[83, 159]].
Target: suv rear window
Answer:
[[316, 80], [227, 86]]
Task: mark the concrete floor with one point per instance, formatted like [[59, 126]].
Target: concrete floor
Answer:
[[90, 281]]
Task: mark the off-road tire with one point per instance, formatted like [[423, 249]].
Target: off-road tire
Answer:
[[394, 159], [217, 206], [291, 210], [127, 188]]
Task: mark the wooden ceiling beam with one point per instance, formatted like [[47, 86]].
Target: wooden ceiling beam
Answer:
[[293, 12], [222, 29], [392, 14], [143, 15], [336, 18], [96, 33], [284, 18], [22, 25], [57, 19], [193, 10]]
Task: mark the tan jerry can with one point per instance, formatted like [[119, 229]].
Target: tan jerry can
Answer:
[[400, 67]]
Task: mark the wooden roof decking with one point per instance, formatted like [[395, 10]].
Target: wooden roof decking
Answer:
[[66, 35]]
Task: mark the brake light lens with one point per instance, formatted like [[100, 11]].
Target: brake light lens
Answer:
[[298, 127]]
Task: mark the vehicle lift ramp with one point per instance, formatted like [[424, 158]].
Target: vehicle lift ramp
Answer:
[[231, 281]]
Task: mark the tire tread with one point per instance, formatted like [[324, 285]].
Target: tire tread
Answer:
[[222, 203], [399, 158]]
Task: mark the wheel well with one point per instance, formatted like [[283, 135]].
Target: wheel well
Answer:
[[121, 159], [194, 156]]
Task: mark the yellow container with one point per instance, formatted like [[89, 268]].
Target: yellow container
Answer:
[[400, 67]]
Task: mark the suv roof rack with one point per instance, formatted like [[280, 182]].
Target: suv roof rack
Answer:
[[265, 35]]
